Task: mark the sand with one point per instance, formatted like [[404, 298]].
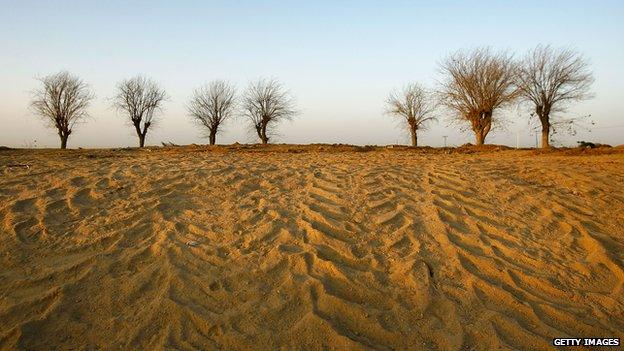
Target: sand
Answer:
[[309, 248]]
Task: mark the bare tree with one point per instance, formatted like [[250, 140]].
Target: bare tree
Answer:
[[475, 84], [211, 105], [265, 104], [62, 101], [415, 106], [550, 79], [140, 99]]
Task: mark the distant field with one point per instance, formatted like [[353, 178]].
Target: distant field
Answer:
[[310, 247]]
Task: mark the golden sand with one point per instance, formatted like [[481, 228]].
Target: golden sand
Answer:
[[241, 248]]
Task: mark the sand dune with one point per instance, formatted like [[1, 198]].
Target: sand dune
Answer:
[[246, 249]]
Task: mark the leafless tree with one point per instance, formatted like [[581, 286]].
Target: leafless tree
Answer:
[[140, 99], [62, 101], [475, 84], [550, 79], [266, 103], [415, 106], [211, 105]]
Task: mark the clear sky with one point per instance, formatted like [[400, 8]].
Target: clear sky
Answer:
[[338, 58]]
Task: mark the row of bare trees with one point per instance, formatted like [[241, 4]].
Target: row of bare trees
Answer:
[[63, 99], [477, 83], [264, 104], [475, 86]]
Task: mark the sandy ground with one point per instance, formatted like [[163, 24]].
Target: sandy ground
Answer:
[[309, 249]]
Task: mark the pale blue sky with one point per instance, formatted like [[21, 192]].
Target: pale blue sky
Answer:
[[338, 58]]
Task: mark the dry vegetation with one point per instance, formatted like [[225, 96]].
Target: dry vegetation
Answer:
[[265, 104], [211, 106], [414, 106], [550, 80], [310, 247], [62, 101], [474, 84], [139, 100]]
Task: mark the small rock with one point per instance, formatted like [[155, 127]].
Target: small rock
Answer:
[[192, 243]]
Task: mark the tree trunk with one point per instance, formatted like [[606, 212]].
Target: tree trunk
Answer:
[[212, 138], [137, 127], [480, 137], [64, 141], [545, 139], [481, 125], [263, 135], [414, 137], [545, 135], [143, 133], [259, 132]]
